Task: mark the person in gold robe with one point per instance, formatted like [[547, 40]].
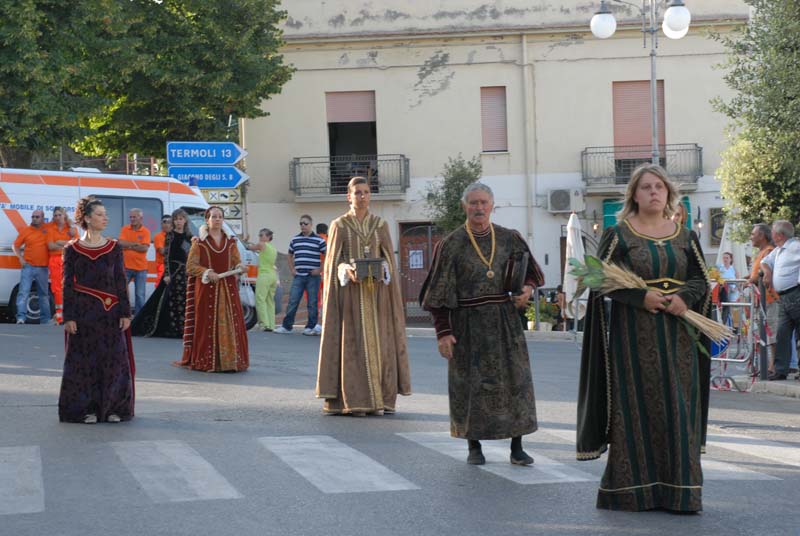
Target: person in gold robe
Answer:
[[363, 356]]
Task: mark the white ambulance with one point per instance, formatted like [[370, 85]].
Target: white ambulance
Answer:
[[22, 191]]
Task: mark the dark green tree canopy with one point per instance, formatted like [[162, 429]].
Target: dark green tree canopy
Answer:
[[760, 171], [110, 76], [444, 199]]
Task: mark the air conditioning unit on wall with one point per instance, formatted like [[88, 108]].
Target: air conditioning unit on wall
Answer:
[[565, 200]]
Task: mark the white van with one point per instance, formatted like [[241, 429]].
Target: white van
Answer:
[[22, 191]]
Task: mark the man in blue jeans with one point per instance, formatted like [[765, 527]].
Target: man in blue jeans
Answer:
[[134, 239], [30, 247], [304, 262]]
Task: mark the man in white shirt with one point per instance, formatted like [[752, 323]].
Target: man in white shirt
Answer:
[[782, 272]]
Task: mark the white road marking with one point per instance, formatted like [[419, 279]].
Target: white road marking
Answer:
[[712, 469], [172, 471], [21, 485], [760, 448], [544, 471], [332, 466]]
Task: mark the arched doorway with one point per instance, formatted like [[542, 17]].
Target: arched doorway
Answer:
[[416, 243]]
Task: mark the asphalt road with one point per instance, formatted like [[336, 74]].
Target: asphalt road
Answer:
[[253, 454]]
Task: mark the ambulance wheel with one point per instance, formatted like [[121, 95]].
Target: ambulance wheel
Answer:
[[32, 311], [250, 318]]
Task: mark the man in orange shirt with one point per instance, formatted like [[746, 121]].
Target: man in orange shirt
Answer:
[[31, 249], [160, 243], [59, 232], [135, 241], [761, 238]]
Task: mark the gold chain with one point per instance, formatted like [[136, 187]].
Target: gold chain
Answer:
[[489, 273]]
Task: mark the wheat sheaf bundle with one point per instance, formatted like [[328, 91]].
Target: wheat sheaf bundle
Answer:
[[604, 277]]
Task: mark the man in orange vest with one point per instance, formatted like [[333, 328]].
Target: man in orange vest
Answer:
[[160, 242], [31, 249], [135, 241], [59, 232]]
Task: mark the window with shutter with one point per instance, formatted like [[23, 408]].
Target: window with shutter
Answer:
[[352, 138], [493, 119], [633, 139]]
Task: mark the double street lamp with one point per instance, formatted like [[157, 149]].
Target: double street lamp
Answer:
[[675, 25]]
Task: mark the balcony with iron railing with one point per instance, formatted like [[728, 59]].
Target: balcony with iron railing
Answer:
[[607, 170], [322, 178]]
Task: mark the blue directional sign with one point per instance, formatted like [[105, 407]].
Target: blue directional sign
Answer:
[[209, 176], [204, 153]]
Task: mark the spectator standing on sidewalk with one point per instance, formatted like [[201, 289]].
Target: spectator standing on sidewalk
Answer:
[[267, 280], [782, 273], [135, 241], [761, 238], [31, 249], [59, 233], [160, 243], [304, 263]]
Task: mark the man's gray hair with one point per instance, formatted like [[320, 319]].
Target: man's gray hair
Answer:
[[784, 227], [476, 187], [765, 230], [136, 211]]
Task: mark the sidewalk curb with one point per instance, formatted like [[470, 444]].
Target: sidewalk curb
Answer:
[[789, 388], [549, 336]]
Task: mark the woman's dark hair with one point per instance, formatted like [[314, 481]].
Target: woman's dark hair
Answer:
[[85, 208], [209, 209], [187, 228]]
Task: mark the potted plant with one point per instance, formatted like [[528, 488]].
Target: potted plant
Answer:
[[547, 314]]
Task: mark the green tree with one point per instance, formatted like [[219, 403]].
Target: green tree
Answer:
[[444, 199], [760, 172], [196, 66], [52, 54], [110, 76], [760, 181]]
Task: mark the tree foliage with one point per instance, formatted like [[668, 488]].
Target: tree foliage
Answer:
[[108, 77], [52, 54], [760, 171], [444, 199]]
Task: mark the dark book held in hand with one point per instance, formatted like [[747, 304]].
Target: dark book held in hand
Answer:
[[516, 272], [368, 268]]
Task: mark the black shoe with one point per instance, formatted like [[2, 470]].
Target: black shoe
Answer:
[[775, 377], [521, 458], [476, 457]]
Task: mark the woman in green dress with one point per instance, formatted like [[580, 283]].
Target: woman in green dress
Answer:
[[643, 383], [267, 281]]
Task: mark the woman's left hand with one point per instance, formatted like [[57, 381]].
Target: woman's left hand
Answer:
[[124, 323], [676, 305]]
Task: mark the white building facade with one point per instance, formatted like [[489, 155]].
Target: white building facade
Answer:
[[558, 118]]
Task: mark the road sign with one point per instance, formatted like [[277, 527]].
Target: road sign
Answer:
[[232, 211], [236, 226], [210, 176], [222, 196], [206, 153]]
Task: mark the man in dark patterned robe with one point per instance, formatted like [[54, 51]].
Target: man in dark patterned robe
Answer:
[[478, 329]]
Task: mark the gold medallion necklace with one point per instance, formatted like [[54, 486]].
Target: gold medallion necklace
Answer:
[[489, 272]]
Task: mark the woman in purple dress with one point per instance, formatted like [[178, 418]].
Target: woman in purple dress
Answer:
[[97, 384]]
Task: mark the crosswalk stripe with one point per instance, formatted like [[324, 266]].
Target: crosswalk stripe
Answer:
[[544, 471], [21, 485], [172, 471], [712, 469], [760, 448], [334, 467]]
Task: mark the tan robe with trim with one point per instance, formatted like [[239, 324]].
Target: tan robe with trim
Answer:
[[363, 356]]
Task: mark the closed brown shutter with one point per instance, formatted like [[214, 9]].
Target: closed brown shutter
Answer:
[[493, 119], [633, 118], [350, 106]]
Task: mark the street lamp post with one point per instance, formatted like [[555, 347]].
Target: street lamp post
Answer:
[[675, 25]]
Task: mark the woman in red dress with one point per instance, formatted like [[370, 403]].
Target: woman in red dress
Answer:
[[215, 335]]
